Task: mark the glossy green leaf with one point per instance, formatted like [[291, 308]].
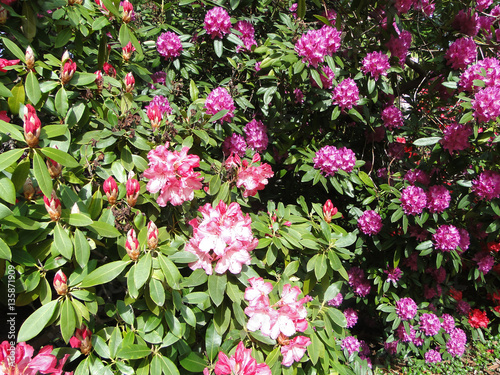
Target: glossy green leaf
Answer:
[[104, 274], [157, 291], [42, 175], [62, 242], [60, 156], [68, 320], [142, 270], [5, 252], [218, 47], [105, 229], [12, 131], [7, 190], [82, 248], [33, 88], [217, 287], [170, 271], [14, 49], [61, 102], [194, 362], [18, 97], [37, 321]]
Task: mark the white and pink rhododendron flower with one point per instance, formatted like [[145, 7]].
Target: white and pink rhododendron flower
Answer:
[[241, 363], [222, 236], [294, 350], [252, 177]]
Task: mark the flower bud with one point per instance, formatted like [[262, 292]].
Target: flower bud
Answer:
[[99, 80], [53, 206], [152, 235], [54, 167], [154, 116], [65, 57], [28, 189], [329, 210], [68, 71], [29, 57], [109, 70], [61, 283], [82, 340], [111, 189], [128, 11], [73, 2], [132, 245], [133, 189], [129, 82], [127, 51], [3, 15], [32, 126]]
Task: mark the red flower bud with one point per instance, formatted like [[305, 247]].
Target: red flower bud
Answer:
[[152, 235], [127, 51], [53, 206], [109, 70], [99, 80], [54, 167], [61, 283], [329, 210], [129, 82], [82, 340], [68, 71], [32, 126], [111, 189], [133, 189], [154, 116], [128, 11], [132, 245]]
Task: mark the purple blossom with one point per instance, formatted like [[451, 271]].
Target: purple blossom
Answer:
[[467, 22], [393, 274], [484, 261], [336, 301], [234, 144], [169, 45], [461, 53], [446, 238], [351, 344], [392, 117], [359, 282], [417, 175], [217, 22], [391, 347], [329, 160], [448, 323], [486, 104], [218, 100], [399, 46], [456, 343], [162, 103], [455, 137], [474, 72], [406, 308], [429, 324], [370, 222], [464, 240], [351, 316], [432, 356], [438, 198], [487, 186], [413, 200], [326, 75], [256, 133], [463, 307], [405, 336], [346, 94], [312, 47], [247, 35], [158, 77], [377, 64]]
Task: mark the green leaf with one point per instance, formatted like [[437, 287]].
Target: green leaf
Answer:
[[332, 291], [317, 78], [4, 211], [320, 267], [170, 271], [33, 88], [133, 351], [104, 274], [142, 270], [62, 242], [60, 156], [7, 190], [193, 91], [337, 317], [4, 91], [168, 366], [365, 178], [315, 349], [14, 49], [222, 319], [5, 252], [213, 341], [157, 291], [105, 229], [18, 97], [79, 220], [12, 131], [195, 298], [218, 47], [194, 362], [82, 248], [301, 8], [42, 174], [68, 320], [217, 288], [37, 321], [183, 257], [99, 23], [61, 102], [427, 141], [53, 131]]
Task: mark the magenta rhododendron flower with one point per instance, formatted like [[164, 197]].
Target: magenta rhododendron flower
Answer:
[[413, 200], [446, 238], [222, 236], [430, 324], [448, 323], [247, 35], [336, 301], [329, 160], [399, 46], [217, 22], [456, 343], [487, 185], [456, 137], [490, 65], [346, 94], [432, 356], [404, 335], [377, 64], [162, 103], [403, 6], [312, 47], [467, 22], [358, 282], [351, 317], [438, 198], [406, 308], [252, 177], [241, 363], [331, 37], [234, 144], [256, 133], [172, 174], [370, 222], [483, 4], [169, 45], [417, 175], [486, 104], [218, 100], [294, 350], [351, 344], [393, 275], [484, 261], [461, 53], [392, 117]]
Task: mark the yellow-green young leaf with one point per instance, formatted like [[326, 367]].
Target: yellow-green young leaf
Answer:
[[82, 248], [18, 97], [115, 342], [365, 178], [68, 320], [5, 252], [104, 274], [193, 91], [272, 358], [4, 91], [60, 156], [37, 321], [217, 287], [7, 190], [42, 174], [33, 88], [62, 242], [316, 349], [79, 220]]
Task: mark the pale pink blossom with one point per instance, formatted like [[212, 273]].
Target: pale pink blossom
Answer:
[[294, 350], [241, 363]]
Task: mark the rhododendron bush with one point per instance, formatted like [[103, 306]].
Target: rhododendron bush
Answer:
[[247, 186]]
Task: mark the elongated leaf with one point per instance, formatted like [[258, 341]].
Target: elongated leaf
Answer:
[[82, 248], [104, 274], [62, 242], [217, 288], [42, 174], [60, 156], [134, 351], [194, 362], [33, 88], [428, 141], [37, 321], [10, 129], [61, 102], [142, 270], [68, 320], [170, 270], [193, 91], [80, 220], [213, 341], [5, 252], [157, 291], [218, 47], [18, 97], [168, 367], [7, 190], [14, 49], [105, 229]]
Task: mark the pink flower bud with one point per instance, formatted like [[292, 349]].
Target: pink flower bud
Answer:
[[132, 245], [29, 57], [99, 80], [133, 189], [54, 167], [109, 70], [82, 340], [28, 189], [111, 189], [127, 51], [128, 11], [152, 235], [329, 210], [61, 283], [53, 206], [287, 223], [32, 126], [155, 116], [129, 82], [68, 71]]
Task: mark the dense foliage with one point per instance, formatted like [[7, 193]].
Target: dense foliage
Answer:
[[248, 186]]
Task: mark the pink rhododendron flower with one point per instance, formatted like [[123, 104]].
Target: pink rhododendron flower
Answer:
[[370, 222], [486, 104], [351, 344], [403, 6], [393, 275], [376, 63], [406, 308], [235, 144], [456, 137], [467, 22], [417, 175], [399, 46], [294, 350], [358, 282], [251, 176], [351, 317], [312, 47], [256, 133], [326, 75], [336, 301], [474, 72], [432, 356], [487, 185], [331, 37], [456, 344], [461, 53], [217, 22], [169, 45], [446, 238], [438, 198], [346, 94], [392, 117], [426, 7], [413, 200], [162, 103], [241, 363], [172, 174], [299, 96], [329, 160], [218, 100], [247, 35], [405, 336], [484, 261], [222, 236], [464, 239], [483, 4], [430, 324]]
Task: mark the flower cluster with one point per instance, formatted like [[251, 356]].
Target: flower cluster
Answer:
[[455, 137], [351, 317], [314, 45], [247, 35], [169, 45], [326, 75], [162, 104], [279, 321], [336, 301], [217, 22], [241, 363], [358, 281], [218, 100], [417, 175], [351, 344], [329, 160], [392, 117], [370, 222], [456, 343], [234, 144], [224, 236], [430, 324], [486, 104], [251, 176], [478, 319], [438, 198], [399, 46], [487, 185], [475, 72], [256, 133], [432, 356], [446, 238], [82, 340], [461, 53], [406, 308], [377, 64], [171, 173], [346, 94], [413, 200]]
